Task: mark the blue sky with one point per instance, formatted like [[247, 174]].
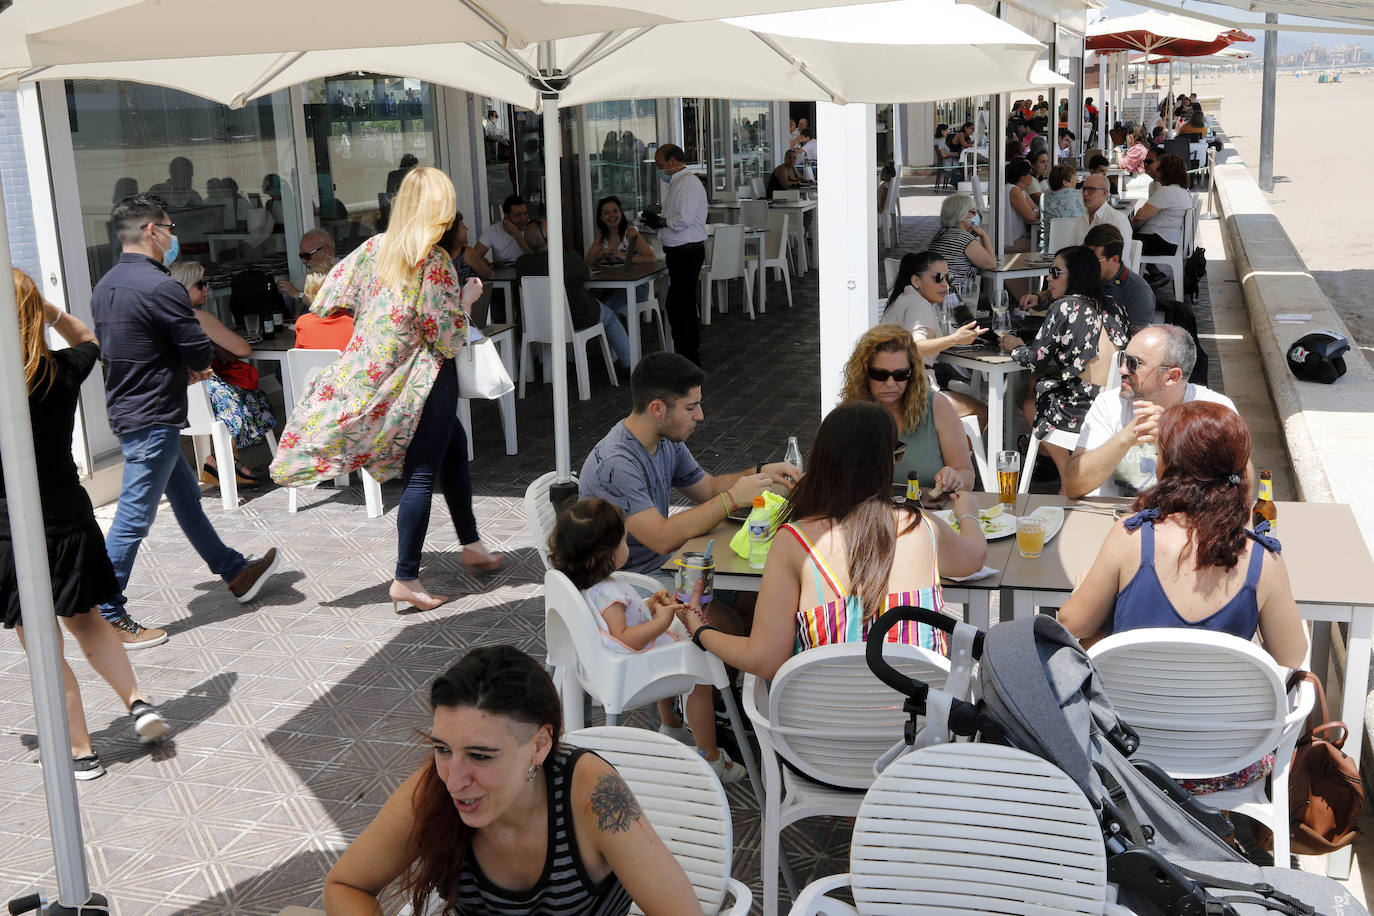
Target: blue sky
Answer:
[[1288, 41]]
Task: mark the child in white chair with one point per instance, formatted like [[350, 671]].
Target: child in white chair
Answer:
[[589, 543]]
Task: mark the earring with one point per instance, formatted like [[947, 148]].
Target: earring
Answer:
[[532, 772]]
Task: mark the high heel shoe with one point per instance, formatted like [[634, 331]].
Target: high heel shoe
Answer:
[[422, 601], [487, 563]]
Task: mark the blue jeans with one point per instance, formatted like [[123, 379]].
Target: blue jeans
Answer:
[[616, 335], [153, 465], [438, 451]]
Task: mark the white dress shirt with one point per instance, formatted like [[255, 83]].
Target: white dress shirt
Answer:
[[1105, 214], [684, 211]]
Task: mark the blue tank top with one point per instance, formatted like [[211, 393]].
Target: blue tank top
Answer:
[[1142, 603]]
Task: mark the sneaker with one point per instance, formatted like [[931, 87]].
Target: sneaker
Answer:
[[88, 767], [148, 722], [678, 733], [726, 770], [246, 585], [135, 636]]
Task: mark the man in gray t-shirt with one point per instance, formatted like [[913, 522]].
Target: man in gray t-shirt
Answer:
[[644, 457], [1125, 288]]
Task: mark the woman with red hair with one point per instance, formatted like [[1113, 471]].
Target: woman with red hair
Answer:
[[1185, 558]]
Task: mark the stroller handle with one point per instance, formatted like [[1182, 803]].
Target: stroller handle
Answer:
[[963, 715]]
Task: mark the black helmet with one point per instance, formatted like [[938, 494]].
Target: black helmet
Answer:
[[1316, 357]]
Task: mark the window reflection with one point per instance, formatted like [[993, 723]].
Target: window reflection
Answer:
[[620, 138]]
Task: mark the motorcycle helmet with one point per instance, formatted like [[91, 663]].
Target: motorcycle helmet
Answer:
[[1317, 357]]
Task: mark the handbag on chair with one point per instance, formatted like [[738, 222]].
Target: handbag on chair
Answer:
[[481, 374], [1326, 795]]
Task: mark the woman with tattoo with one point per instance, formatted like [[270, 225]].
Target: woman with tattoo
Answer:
[[505, 818]]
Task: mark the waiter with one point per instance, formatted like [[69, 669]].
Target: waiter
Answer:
[[682, 232]]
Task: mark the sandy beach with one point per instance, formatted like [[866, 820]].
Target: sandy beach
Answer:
[[1322, 134]]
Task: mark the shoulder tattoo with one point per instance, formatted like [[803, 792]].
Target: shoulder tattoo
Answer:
[[614, 804]]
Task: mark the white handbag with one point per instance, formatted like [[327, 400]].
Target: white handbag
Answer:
[[481, 374]]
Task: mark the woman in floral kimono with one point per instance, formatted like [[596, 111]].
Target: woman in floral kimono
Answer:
[[389, 405]]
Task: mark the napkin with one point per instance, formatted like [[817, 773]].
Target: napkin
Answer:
[[740, 542], [982, 573]]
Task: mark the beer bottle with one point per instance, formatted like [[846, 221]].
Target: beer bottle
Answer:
[[913, 487], [1264, 509]]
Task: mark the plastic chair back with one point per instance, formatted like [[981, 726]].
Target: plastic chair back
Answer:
[[775, 242], [539, 514], [302, 365], [1061, 232], [1133, 255], [790, 196], [534, 306], [760, 187], [200, 416], [754, 214], [727, 253], [890, 268]]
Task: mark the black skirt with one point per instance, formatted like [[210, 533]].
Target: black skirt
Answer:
[[82, 576]]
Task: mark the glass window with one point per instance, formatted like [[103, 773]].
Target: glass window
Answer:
[[621, 138], [220, 171], [751, 128], [365, 132]]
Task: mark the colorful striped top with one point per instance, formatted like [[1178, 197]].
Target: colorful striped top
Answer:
[[842, 620]]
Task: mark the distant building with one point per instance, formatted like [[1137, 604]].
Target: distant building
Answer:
[[1315, 55]]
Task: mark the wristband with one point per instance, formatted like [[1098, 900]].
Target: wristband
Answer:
[[725, 503], [758, 468], [55, 319], [696, 637], [967, 515]]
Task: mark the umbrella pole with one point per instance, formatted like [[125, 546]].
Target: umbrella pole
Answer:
[[558, 296], [35, 598]]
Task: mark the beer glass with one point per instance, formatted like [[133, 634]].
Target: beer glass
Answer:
[[1008, 476]]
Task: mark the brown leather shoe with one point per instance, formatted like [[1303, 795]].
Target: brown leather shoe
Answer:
[[246, 585]]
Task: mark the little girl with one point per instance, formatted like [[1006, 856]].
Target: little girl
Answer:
[[589, 543]]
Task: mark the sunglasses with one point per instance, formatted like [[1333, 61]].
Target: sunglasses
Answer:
[[307, 255], [1056, 272], [1132, 364], [201, 284], [939, 277], [899, 452], [882, 375]]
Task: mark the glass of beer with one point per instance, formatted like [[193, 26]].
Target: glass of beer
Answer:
[[1008, 476], [1030, 536]]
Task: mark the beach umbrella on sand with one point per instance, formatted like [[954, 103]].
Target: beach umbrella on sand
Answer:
[[909, 50]]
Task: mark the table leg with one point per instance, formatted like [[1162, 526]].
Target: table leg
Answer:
[[505, 345], [1353, 693], [978, 609], [1023, 604], [996, 431]]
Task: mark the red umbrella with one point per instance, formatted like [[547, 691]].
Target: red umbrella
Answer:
[[1162, 33]]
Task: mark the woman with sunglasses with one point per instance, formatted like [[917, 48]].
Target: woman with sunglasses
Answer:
[[922, 284], [1071, 355], [233, 388], [847, 553], [885, 369]]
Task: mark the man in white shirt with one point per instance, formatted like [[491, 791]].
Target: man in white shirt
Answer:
[[515, 235], [1118, 447], [1096, 210], [808, 144], [682, 231]]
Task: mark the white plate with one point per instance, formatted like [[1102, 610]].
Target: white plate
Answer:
[[1002, 526], [1054, 520]]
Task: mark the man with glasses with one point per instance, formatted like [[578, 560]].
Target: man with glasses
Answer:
[[1117, 447], [316, 248], [1124, 288], [1096, 210], [152, 347]]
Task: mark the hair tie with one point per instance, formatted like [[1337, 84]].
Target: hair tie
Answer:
[[1233, 480]]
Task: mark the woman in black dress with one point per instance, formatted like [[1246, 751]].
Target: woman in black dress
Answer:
[[77, 563]]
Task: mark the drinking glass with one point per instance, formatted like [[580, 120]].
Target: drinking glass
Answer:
[[252, 327], [1030, 536], [1008, 476]]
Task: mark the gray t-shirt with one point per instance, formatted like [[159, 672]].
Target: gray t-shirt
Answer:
[[1129, 290], [619, 469]]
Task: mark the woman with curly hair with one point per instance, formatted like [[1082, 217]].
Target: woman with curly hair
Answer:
[[1185, 559], [885, 369], [502, 817]]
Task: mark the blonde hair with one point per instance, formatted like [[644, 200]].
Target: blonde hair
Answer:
[[887, 338], [315, 278], [188, 273], [423, 209], [39, 366]]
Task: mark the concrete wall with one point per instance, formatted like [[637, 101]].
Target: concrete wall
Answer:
[[14, 174]]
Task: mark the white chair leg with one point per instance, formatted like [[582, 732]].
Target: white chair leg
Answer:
[[271, 438], [228, 471], [292, 494], [610, 360], [584, 384], [748, 297], [1028, 466], [706, 300], [372, 494], [787, 282], [1278, 797], [571, 692], [507, 404], [465, 417], [524, 364], [1177, 266]]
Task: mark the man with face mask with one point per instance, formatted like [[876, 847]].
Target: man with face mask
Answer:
[[152, 347], [682, 232]]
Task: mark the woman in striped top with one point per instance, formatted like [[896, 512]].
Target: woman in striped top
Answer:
[[503, 819], [847, 552]]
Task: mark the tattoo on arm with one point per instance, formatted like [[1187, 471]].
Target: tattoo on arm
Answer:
[[614, 804]]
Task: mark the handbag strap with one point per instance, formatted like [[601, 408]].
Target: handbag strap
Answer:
[[1320, 714]]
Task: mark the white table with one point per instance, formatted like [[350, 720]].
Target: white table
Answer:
[[999, 368], [630, 281], [275, 351], [1014, 266], [796, 227]]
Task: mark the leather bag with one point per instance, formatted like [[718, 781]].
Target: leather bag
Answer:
[[481, 374], [1325, 792]]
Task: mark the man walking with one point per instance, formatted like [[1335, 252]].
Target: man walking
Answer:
[[153, 347], [682, 232]]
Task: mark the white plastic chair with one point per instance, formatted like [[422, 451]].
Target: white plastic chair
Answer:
[[1185, 248], [744, 192], [828, 716], [302, 365], [724, 262], [980, 452], [684, 803], [891, 220], [980, 197], [759, 186], [891, 267], [727, 196], [971, 828], [534, 306], [1061, 233], [200, 423], [789, 196], [1060, 437], [539, 514], [1133, 253], [753, 214], [583, 666], [775, 255], [1207, 704]]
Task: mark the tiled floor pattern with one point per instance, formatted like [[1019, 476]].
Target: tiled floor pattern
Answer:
[[294, 715]]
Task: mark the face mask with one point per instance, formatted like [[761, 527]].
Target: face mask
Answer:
[[171, 253], [665, 177], [974, 221]]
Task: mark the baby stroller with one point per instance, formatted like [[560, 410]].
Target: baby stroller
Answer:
[[1036, 691]]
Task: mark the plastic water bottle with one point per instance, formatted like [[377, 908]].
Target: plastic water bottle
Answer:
[[793, 456], [759, 533]]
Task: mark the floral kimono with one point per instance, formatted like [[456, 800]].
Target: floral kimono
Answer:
[[362, 411], [1061, 351]]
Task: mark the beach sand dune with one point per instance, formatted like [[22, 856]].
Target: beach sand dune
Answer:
[[1323, 138]]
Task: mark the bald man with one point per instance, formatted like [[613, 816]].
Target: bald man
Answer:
[[317, 247]]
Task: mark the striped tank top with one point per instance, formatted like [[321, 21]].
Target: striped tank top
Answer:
[[564, 889], [842, 620]]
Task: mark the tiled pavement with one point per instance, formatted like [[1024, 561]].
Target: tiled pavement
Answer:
[[294, 716]]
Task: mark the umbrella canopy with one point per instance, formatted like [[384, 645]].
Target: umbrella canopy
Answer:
[[1162, 33], [901, 51]]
